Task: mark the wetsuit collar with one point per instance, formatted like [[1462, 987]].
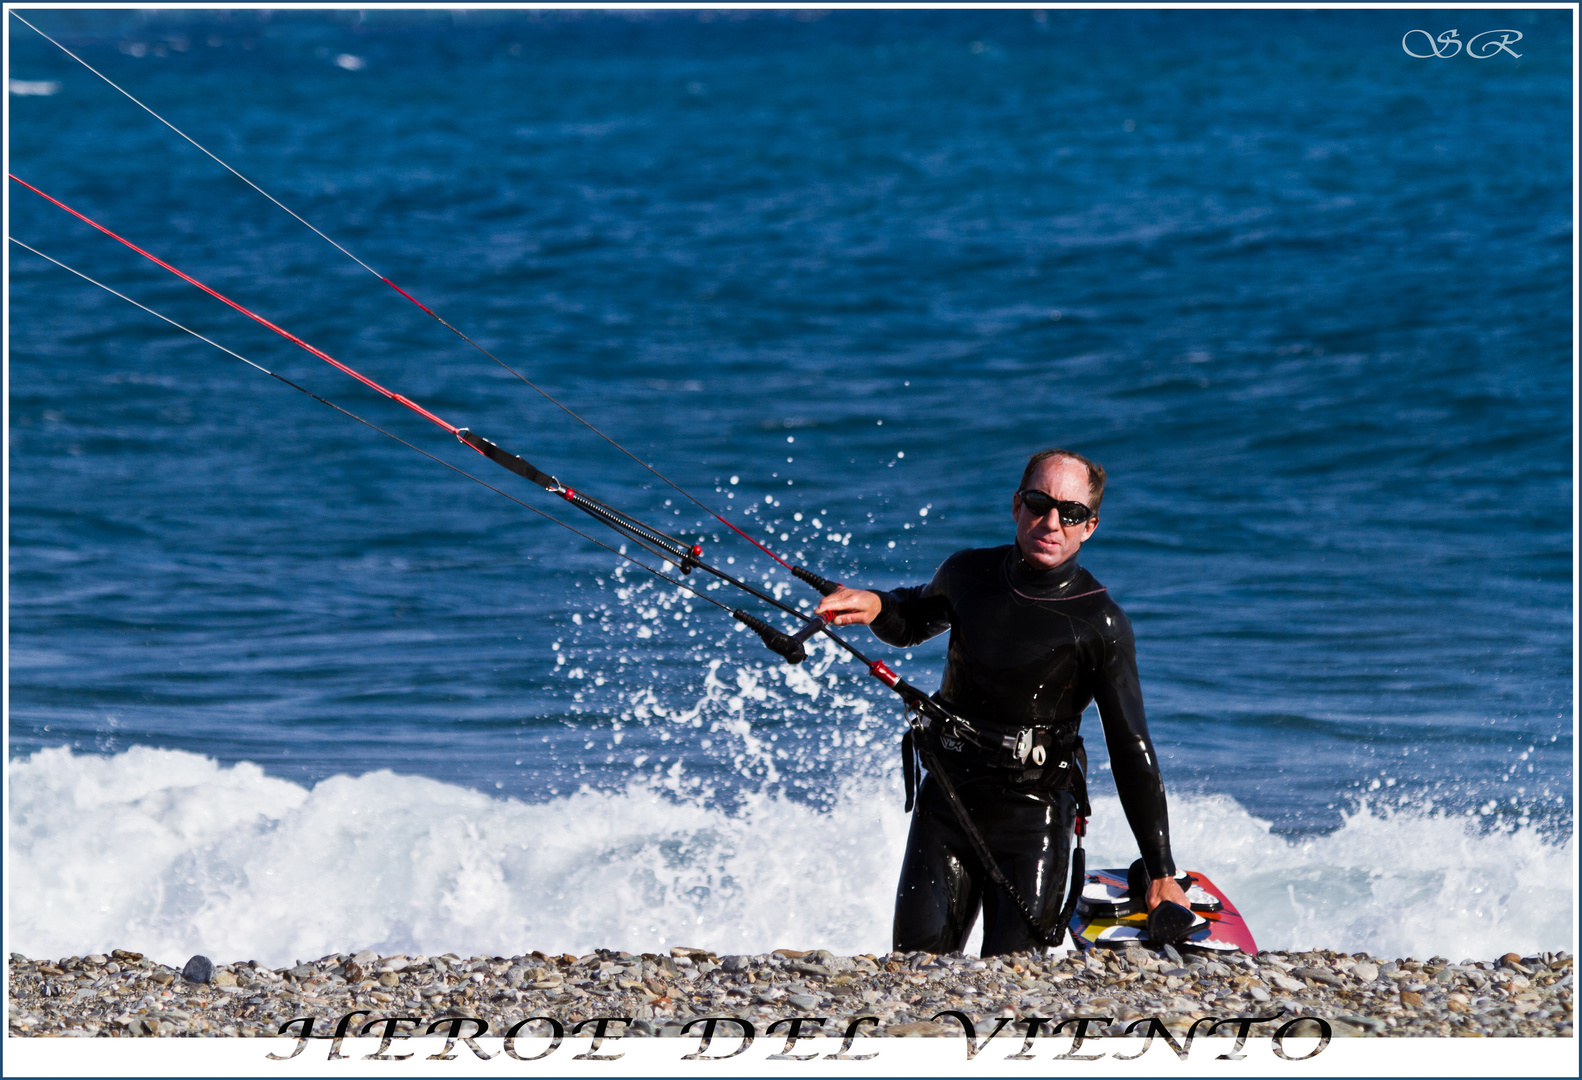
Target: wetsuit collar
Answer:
[[1029, 579]]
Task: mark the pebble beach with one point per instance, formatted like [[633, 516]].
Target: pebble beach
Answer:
[[124, 994]]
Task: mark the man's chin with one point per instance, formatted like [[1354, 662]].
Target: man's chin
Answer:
[[1045, 559]]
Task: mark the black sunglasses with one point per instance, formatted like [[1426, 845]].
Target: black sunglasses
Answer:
[[1040, 503]]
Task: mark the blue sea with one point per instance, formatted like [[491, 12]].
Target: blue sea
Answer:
[[280, 686]]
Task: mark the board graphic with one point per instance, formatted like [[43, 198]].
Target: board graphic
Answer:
[[1108, 916]]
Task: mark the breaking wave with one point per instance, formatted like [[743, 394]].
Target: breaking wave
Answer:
[[172, 853]]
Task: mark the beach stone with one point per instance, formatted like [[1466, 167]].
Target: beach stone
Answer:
[[223, 978], [200, 969], [1479, 1001], [735, 963], [1365, 971], [1371, 1023], [365, 959]]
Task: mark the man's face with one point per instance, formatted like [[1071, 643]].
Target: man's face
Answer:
[[1044, 541]]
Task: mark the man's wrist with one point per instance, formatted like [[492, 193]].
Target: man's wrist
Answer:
[[887, 613]]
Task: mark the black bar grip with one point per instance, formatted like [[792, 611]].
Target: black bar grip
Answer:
[[824, 585], [809, 630], [791, 651]]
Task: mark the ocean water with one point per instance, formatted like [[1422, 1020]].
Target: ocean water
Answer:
[[278, 686]]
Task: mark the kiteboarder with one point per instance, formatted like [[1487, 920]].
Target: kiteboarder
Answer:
[[1034, 638]]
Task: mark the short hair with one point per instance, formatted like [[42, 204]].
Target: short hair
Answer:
[[1095, 473]]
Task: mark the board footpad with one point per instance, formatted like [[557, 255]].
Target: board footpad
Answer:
[[1103, 899]]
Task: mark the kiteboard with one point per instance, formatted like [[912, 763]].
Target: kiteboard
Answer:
[[1107, 915]]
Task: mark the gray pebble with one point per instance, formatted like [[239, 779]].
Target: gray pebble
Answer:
[[803, 1001], [200, 969]]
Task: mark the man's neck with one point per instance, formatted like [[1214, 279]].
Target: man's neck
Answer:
[[1051, 578]]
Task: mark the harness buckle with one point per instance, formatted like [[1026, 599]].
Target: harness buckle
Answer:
[[1023, 744]]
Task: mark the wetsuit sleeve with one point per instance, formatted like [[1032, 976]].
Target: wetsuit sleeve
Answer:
[[912, 615], [1119, 696]]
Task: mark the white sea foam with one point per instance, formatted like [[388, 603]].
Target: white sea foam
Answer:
[[1395, 884], [32, 87], [171, 853]]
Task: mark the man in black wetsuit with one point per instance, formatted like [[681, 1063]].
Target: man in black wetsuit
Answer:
[[1033, 639]]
